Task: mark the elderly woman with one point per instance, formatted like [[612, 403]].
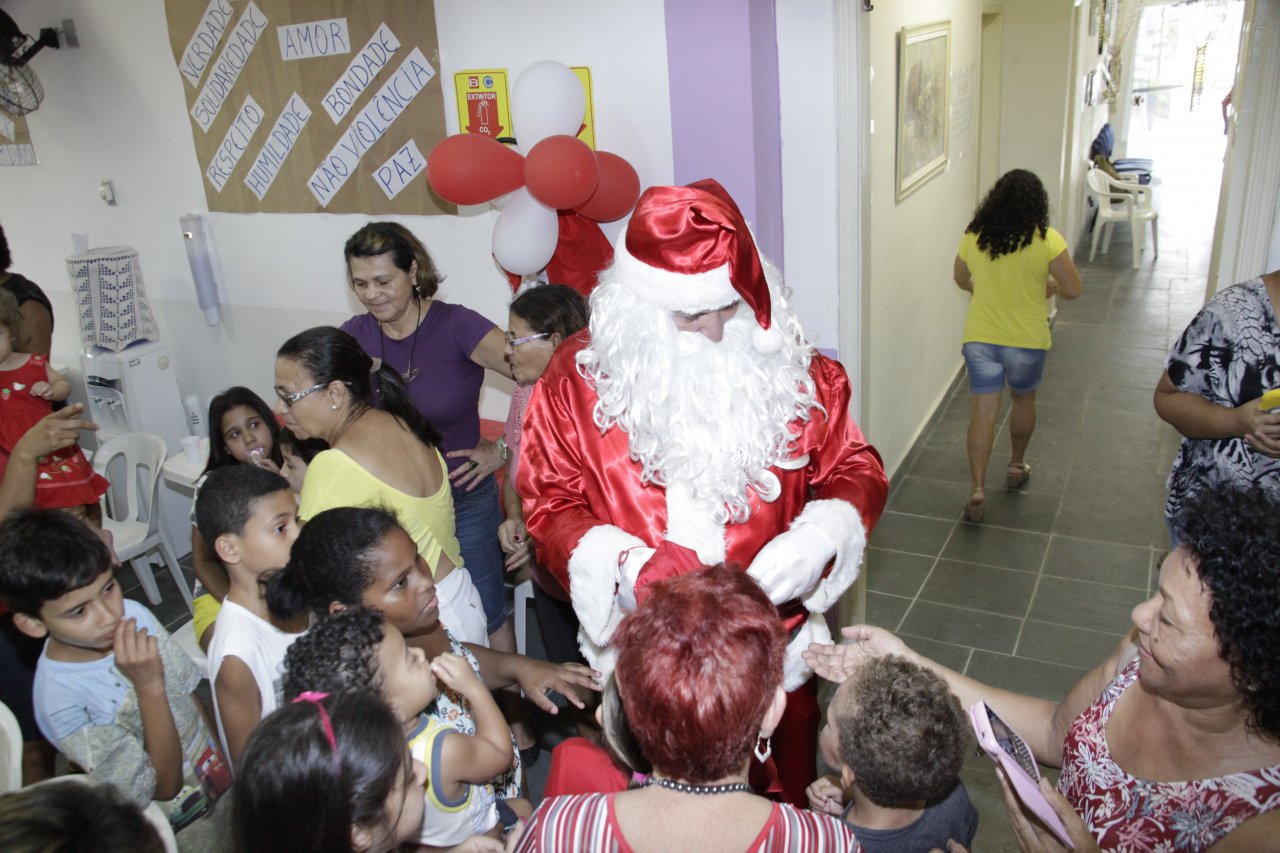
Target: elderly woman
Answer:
[[1010, 260], [1173, 742], [699, 673], [378, 456], [539, 319], [441, 352]]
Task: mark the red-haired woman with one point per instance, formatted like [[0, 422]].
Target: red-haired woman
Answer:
[[700, 675]]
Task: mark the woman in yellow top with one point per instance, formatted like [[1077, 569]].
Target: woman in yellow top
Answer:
[[1012, 262], [385, 457]]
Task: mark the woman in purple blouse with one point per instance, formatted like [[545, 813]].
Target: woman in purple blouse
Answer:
[[441, 351]]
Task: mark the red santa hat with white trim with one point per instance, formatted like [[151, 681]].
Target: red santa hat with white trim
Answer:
[[688, 249]]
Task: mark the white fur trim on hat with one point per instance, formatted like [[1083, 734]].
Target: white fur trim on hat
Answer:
[[687, 293], [593, 579], [690, 523], [795, 671], [839, 520]]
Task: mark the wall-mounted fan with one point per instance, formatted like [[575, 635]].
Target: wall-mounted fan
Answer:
[[20, 89]]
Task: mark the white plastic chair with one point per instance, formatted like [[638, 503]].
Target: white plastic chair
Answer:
[[10, 751], [135, 526], [1122, 201]]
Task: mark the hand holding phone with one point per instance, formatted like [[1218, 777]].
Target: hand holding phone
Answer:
[[1014, 757]]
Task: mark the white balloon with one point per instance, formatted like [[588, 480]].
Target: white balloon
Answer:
[[525, 235], [547, 100]]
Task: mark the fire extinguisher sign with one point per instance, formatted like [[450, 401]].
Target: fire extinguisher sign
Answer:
[[483, 104]]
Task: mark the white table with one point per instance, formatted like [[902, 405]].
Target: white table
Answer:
[[180, 473]]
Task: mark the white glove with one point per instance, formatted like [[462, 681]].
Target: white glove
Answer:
[[628, 572], [792, 562]]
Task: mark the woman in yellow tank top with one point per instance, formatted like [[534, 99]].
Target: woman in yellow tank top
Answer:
[[380, 455]]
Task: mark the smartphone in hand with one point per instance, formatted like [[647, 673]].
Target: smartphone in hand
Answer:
[[1007, 749]]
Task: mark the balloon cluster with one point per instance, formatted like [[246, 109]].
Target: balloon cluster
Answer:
[[549, 170]]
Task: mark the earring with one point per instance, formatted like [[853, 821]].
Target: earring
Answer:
[[762, 753], [334, 407]]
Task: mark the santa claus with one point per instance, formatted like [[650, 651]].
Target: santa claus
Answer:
[[693, 425]]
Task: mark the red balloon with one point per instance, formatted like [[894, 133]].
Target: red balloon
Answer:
[[617, 191], [561, 172], [470, 168]]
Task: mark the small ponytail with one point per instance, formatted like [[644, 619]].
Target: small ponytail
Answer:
[[286, 593], [396, 400]]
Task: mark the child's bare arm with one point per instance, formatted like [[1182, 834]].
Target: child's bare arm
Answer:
[[55, 387], [239, 704], [479, 758], [138, 659]]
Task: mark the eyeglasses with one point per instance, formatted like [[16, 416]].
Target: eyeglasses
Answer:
[[290, 399], [514, 342]]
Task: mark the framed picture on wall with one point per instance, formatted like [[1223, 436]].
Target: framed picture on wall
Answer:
[[924, 72]]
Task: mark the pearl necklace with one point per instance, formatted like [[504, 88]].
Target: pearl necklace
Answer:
[[685, 788]]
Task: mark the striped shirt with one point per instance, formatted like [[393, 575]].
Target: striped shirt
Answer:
[[586, 823]]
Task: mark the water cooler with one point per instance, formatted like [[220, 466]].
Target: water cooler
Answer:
[[135, 390]]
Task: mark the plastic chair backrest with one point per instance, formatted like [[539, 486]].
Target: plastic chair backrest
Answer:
[[1098, 181], [10, 751], [144, 455]]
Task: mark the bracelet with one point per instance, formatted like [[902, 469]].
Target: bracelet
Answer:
[[503, 450]]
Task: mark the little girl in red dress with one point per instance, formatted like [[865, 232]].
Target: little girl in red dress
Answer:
[[28, 387]]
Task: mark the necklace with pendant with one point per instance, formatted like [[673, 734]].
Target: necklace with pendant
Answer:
[[410, 373]]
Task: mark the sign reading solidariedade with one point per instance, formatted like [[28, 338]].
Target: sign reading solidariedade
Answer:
[[372, 66]]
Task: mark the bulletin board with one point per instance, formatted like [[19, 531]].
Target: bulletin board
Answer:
[[311, 106]]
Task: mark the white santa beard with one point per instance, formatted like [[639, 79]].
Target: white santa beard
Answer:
[[711, 415]]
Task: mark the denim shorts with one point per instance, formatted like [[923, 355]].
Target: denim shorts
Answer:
[[990, 366], [478, 515]]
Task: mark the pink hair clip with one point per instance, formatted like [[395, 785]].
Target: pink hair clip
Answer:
[[315, 698]]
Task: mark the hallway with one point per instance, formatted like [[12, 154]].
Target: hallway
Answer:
[[1041, 591]]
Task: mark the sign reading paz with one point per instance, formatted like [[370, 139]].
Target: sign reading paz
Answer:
[[254, 71]]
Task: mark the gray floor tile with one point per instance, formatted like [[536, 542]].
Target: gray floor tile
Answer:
[[980, 588], [1098, 607], [995, 546], [1077, 647], [962, 627], [910, 534], [1100, 562], [935, 498], [1050, 681], [948, 654], [885, 611], [1021, 509], [1107, 519], [896, 573]]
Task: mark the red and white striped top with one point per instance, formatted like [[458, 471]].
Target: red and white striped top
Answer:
[[586, 823]]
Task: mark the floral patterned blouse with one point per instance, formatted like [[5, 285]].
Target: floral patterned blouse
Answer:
[[1229, 354], [453, 709], [1130, 814]]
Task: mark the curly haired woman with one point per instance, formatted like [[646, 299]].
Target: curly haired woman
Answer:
[[1011, 261]]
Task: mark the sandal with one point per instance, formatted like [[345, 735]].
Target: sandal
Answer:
[[975, 508], [1019, 473]]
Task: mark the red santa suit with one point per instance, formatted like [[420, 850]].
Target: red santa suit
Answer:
[[587, 506], [589, 510]]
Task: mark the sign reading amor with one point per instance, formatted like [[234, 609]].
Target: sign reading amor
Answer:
[[255, 71]]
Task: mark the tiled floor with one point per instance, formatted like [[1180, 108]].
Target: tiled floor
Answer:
[[1040, 591]]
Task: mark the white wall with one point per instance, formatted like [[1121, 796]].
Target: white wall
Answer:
[[807, 82], [115, 108], [915, 314]]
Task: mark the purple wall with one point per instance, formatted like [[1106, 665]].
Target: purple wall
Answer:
[[722, 61]]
